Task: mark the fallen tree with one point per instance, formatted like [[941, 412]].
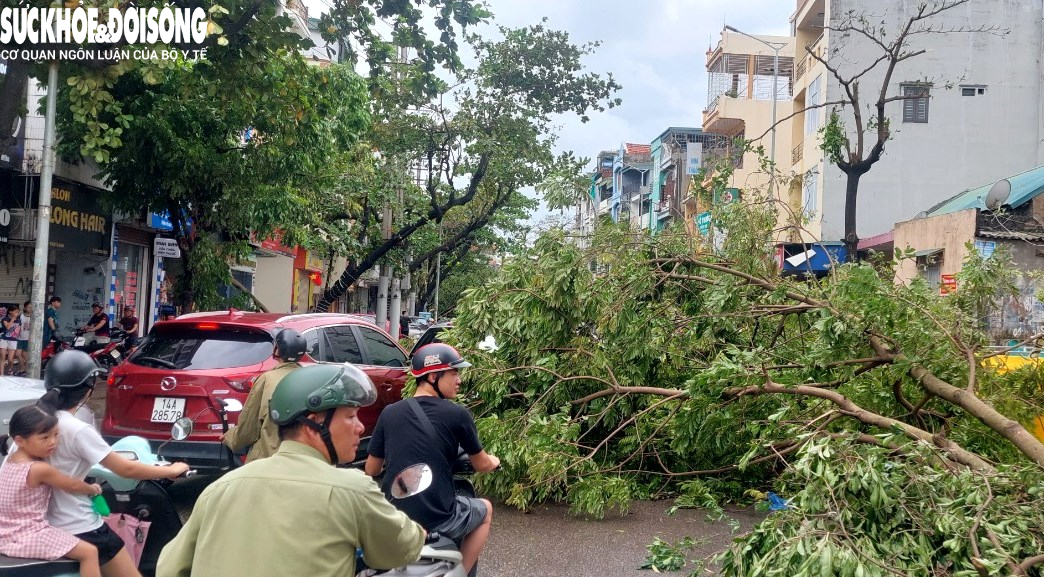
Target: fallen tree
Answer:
[[702, 374]]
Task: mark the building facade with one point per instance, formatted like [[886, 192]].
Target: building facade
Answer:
[[973, 111]]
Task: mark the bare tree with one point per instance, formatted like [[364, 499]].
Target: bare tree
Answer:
[[855, 149]]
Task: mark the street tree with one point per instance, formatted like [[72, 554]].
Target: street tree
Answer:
[[493, 141], [873, 406], [228, 168]]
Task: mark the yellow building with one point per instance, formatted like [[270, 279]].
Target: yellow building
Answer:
[[810, 87], [740, 105]]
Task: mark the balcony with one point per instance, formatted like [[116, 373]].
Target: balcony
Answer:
[[800, 69]]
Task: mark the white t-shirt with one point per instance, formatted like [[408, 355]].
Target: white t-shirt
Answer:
[[80, 447]]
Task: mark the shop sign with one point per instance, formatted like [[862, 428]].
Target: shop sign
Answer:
[[76, 221], [275, 244], [703, 222], [947, 284], [166, 248]]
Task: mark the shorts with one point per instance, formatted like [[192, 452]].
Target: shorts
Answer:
[[468, 514], [107, 542], [23, 345], [6, 344]]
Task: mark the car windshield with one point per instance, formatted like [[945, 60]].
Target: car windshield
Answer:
[[197, 349]]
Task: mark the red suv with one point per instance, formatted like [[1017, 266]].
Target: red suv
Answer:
[[188, 366]]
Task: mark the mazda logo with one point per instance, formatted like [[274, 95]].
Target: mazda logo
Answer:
[[168, 383]]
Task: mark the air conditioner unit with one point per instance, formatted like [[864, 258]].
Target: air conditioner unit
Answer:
[[23, 224]]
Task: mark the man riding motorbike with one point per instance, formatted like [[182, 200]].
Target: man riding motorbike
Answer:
[[294, 513], [255, 427], [430, 428]]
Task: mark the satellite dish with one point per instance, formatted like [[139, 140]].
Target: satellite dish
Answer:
[[922, 214], [998, 194]]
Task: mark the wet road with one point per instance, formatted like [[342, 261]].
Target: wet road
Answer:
[[549, 541]]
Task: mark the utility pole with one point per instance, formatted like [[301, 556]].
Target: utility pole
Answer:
[[43, 230]]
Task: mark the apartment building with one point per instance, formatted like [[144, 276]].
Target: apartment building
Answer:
[[978, 114], [745, 93]]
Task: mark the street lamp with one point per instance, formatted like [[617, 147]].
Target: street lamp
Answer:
[[775, 93]]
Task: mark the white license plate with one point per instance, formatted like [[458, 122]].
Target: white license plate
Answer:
[[79, 342], [167, 409], [115, 353]]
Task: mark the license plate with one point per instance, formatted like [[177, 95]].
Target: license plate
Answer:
[[115, 353], [167, 409], [79, 342]]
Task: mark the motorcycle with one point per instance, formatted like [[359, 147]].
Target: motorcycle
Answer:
[[145, 500], [107, 355], [52, 348], [440, 556]]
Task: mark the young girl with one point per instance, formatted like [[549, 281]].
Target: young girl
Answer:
[[25, 489], [10, 329]]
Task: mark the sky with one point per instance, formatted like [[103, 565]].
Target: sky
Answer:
[[656, 49]]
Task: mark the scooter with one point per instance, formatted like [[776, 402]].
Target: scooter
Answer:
[[107, 355], [52, 348], [145, 500], [440, 556]]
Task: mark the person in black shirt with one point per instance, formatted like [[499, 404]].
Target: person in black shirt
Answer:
[[404, 326], [129, 323], [402, 438], [99, 324]]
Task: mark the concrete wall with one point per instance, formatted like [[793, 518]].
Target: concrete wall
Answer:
[[968, 141], [273, 282], [949, 232]]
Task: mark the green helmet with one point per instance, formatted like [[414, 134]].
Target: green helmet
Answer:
[[317, 388]]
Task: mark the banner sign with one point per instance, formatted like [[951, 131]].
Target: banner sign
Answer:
[[693, 157]]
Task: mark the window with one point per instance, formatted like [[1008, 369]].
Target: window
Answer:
[[915, 105], [382, 351], [312, 340], [973, 90], [809, 197], [342, 346], [813, 100], [194, 349]]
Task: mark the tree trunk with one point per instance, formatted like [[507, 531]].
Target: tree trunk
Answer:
[[851, 240]]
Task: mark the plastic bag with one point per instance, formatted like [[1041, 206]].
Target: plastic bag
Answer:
[[132, 530]]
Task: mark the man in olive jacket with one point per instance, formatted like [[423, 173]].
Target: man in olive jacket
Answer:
[[295, 513], [255, 428]]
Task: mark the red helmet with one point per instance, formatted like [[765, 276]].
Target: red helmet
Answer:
[[436, 357]]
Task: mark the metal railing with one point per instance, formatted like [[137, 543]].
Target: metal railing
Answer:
[[799, 70], [797, 153]]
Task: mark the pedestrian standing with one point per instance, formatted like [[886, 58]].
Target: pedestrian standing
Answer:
[[10, 328], [23, 338], [51, 319]]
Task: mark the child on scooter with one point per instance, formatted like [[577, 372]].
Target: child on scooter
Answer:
[[25, 489]]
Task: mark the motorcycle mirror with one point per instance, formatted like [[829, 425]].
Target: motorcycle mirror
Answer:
[[411, 480], [182, 429], [232, 405], [129, 455]]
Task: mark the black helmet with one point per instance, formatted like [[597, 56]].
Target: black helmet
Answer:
[[291, 345], [71, 369], [436, 357]]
